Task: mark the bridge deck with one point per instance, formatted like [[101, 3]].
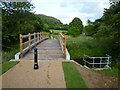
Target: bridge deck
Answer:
[[47, 50]]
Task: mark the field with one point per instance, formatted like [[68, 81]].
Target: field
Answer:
[[58, 31]]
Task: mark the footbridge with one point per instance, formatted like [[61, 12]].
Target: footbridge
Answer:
[[48, 48]]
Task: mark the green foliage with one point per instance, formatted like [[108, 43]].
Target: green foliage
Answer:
[[74, 31], [81, 45], [88, 30], [17, 19], [53, 23], [72, 76], [8, 55], [75, 27], [106, 29]]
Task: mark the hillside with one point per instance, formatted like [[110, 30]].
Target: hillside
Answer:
[[52, 22]]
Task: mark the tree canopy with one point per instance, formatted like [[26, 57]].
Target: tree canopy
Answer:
[[107, 29], [75, 27], [18, 19]]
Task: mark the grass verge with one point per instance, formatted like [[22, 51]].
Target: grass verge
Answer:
[[6, 66], [72, 76]]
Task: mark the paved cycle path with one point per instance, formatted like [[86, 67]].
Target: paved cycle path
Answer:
[[49, 75]]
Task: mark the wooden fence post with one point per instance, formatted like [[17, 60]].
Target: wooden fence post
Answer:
[[64, 47], [34, 39], [29, 38], [21, 46], [41, 35], [38, 36]]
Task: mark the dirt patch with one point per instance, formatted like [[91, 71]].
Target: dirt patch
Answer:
[[97, 80]]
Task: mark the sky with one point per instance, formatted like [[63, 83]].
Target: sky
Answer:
[[67, 10]]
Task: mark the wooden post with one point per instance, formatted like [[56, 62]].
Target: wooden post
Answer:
[[64, 47], [41, 35], [38, 36], [93, 63], [34, 39], [29, 38], [21, 48]]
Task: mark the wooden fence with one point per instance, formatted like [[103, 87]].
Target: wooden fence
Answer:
[[62, 40], [27, 42]]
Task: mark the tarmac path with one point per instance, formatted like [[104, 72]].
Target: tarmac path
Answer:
[[49, 75]]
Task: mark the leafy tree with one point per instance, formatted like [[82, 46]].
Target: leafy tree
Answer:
[[89, 30], [75, 27], [108, 29], [18, 19]]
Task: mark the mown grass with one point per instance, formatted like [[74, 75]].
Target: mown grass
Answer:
[[72, 76], [6, 66], [56, 32], [59, 31]]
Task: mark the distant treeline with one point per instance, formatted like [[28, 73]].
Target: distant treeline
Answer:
[[53, 23]]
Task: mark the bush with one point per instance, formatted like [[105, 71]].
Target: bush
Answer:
[[78, 46]]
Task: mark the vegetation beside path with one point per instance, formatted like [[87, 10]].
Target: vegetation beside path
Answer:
[[72, 76], [6, 66]]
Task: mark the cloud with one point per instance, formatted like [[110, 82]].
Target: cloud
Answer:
[[66, 10]]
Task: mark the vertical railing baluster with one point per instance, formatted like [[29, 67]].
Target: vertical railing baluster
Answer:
[[64, 47], [100, 62], [93, 63], [21, 46], [38, 37], [34, 39], [29, 38]]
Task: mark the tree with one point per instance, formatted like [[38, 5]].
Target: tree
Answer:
[[89, 30], [75, 27], [18, 19], [108, 29]]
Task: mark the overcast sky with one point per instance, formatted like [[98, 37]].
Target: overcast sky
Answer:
[[66, 10]]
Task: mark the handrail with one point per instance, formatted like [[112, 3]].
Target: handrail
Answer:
[[62, 40], [93, 60], [37, 37]]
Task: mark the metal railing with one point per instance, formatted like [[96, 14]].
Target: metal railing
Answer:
[[100, 60]]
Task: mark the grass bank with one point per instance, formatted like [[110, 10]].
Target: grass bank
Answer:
[[6, 66], [72, 76], [78, 46]]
